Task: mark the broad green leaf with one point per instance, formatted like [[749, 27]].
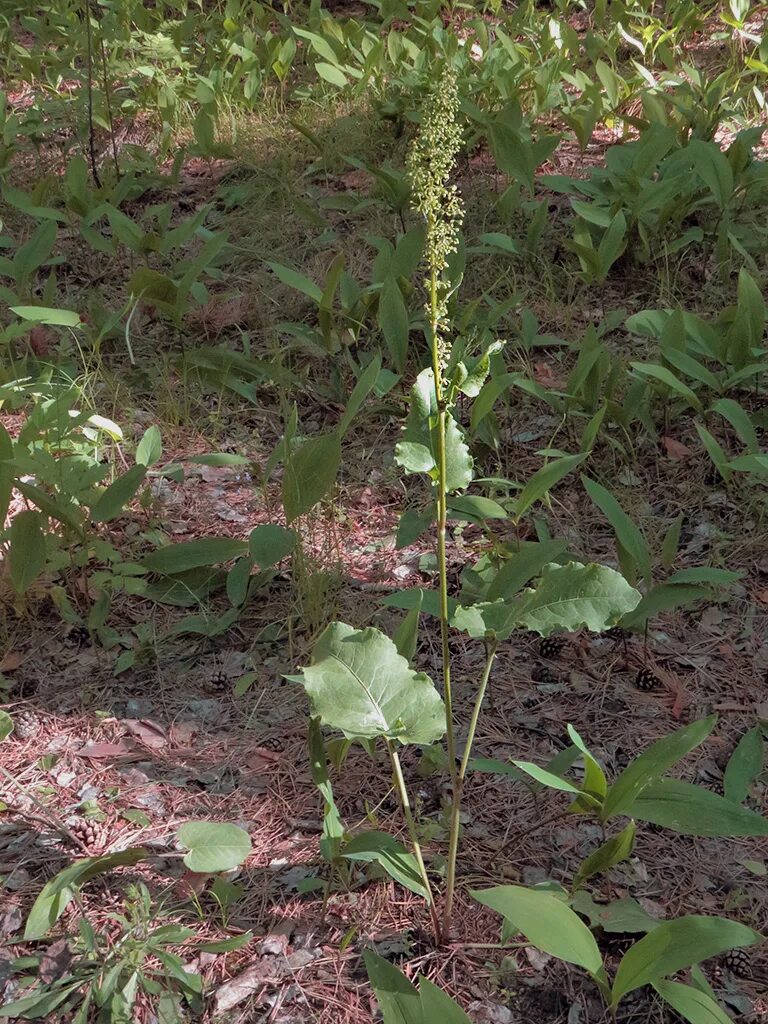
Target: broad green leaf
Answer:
[[744, 766], [573, 596], [398, 999], [613, 851], [383, 849], [694, 1006], [112, 501], [394, 322], [612, 244], [475, 508], [523, 566], [628, 535], [310, 473], [360, 685], [332, 74], [713, 166], [652, 764], [675, 945], [662, 598], [439, 1008], [150, 447], [270, 544], [749, 464], [56, 894], [27, 555], [154, 288], [547, 922], [669, 380], [193, 554], [694, 811], [44, 315], [543, 480], [213, 846]]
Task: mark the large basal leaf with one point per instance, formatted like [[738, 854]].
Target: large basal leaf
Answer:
[[398, 999], [359, 684], [574, 595], [675, 945], [310, 473], [692, 1005], [213, 846], [27, 556], [652, 764], [694, 811], [383, 849], [547, 922]]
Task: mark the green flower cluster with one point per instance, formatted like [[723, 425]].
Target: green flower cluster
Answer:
[[431, 161]]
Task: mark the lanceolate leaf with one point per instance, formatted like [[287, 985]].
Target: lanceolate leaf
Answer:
[[661, 599], [114, 499], [574, 595], [398, 999], [547, 922], [744, 766], [652, 764], [27, 556], [193, 554], [359, 684], [694, 1006], [675, 945], [627, 533], [613, 851], [438, 1007], [543, 480], [383, 849], [695, 811], [523, 566]]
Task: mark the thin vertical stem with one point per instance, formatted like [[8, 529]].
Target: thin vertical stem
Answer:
[[405, 804]]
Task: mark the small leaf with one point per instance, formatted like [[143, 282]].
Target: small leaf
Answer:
[[547, 922], [543, 480], [44, 315], [360, 685], [150, 447], [669, 380], [613, 851], [6, 725], [383, 849], [662, 598], [213, 846]]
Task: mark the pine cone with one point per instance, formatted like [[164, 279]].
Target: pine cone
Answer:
[[646, 679], [26, 725], [737, 962], [544, 674], [617, 633], [91, 833], [551, 646], [219, 681]]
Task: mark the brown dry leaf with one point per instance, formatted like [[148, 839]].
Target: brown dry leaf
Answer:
[[676, 450], [150, 733], [191, 883], [182, 734], [112, 751], [55, 962], [760, 595], [543, 374], [261, 757], [11, 661]]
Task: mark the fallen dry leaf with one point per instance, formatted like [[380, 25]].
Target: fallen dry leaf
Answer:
[[676, 450], [111, 751], [55, 962], [11, 661], [150, 733]]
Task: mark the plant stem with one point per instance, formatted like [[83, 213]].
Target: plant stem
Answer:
[[405, 804], [458, 789]]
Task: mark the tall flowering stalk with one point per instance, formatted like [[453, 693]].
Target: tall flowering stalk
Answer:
[[431, 162]]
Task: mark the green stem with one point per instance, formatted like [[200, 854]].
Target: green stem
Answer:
[[405, 804], [458, 789]]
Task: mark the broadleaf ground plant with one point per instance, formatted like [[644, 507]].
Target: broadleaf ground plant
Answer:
[[357, 682]]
